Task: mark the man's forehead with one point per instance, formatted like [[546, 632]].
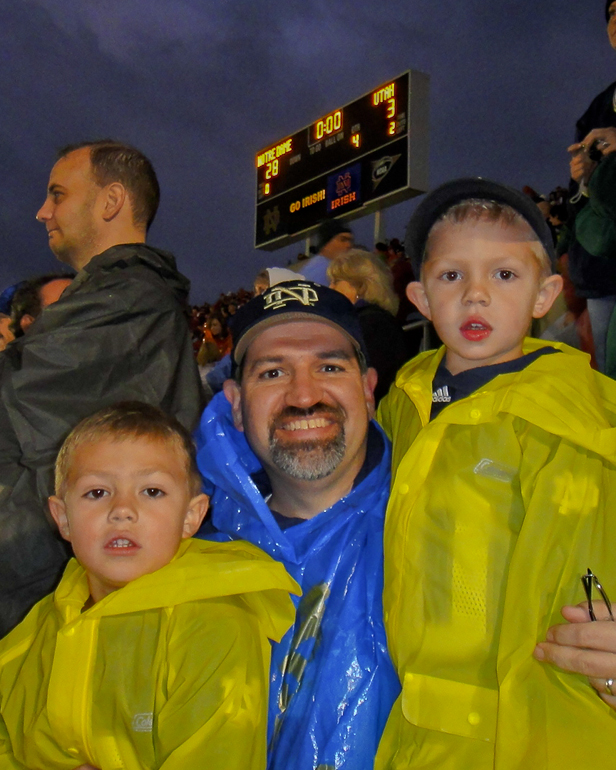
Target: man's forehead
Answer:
[[72, 166], [298, 338]]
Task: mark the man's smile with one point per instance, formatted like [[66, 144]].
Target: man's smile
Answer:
[[316, 423], [307, 424]]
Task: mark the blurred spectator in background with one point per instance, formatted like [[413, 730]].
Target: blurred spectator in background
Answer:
[[402, 274], [33, 296], [333, 238], [217, 332], [213, 375], [553, 208], [261, 282], [6, 335], [197, 321], [593, 275], [6, 302], [366, 281]]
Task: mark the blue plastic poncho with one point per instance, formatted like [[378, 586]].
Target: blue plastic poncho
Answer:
[[332, 682]]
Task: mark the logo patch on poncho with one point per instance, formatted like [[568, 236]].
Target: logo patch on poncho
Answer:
[[142, 723]]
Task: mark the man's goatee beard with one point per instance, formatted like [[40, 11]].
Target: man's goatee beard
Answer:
[[309, 460]]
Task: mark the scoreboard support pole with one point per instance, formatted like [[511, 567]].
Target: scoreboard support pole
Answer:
[[308, 245], [379, 226]]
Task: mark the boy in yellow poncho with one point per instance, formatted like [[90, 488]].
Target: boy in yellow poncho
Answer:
[[504, 493], [153, 651]]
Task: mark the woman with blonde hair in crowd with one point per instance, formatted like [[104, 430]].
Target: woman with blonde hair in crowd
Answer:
[[367, 282]]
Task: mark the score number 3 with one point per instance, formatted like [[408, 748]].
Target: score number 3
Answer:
[[391, 112]]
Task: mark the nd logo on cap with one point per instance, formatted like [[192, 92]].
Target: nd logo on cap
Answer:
[[280, 296]]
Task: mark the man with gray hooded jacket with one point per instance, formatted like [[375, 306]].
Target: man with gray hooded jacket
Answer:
[[118, 332]]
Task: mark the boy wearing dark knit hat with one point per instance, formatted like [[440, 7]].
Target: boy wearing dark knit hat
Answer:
[[504, 473]]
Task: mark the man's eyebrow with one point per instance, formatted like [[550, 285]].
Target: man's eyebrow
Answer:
[[53, 187], [265, 360], [338, 353]]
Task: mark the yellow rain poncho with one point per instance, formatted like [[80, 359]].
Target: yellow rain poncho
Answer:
[[168, 672], [498, 506]]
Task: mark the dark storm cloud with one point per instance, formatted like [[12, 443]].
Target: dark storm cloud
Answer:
[[200, 87]]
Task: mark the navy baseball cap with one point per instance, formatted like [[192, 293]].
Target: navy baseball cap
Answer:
[[440, 200], [290, 301]]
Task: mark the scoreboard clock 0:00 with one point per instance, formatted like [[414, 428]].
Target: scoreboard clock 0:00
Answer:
[[367, 155]]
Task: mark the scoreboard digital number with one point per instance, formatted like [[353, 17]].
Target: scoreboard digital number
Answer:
[[364, 156]]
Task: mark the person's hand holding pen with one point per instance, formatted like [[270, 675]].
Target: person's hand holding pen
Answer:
[[586, 644]]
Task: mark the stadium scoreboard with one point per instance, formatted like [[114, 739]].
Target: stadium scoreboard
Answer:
[[364, 156]]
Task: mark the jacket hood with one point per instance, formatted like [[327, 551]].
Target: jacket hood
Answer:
[[545, 394], [227, 463], [130, 255], [200, 570]]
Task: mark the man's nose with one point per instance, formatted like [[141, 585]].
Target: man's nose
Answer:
[[304, 390], [44, 213]]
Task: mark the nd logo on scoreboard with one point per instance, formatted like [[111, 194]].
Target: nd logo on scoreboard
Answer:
[[344, 189]]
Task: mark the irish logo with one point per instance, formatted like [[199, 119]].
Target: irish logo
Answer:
[[271, 220], [344, 184], [280, 296]]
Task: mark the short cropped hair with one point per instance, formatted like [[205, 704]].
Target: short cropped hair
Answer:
[[369, 276], [27, 299], [113, 161], [476, 210], [123, 421]]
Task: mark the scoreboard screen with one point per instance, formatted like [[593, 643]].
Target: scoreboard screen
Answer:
[[364, 156]]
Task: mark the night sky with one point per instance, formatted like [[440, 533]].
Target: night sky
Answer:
[[201, 85]]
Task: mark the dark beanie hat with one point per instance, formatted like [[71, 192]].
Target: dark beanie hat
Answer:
[[328, 229], [607, 10], [440, 200]]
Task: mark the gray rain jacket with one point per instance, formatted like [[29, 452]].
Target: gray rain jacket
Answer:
[[118, 332]]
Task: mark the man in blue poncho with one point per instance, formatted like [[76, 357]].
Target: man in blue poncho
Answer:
[[299, 468]]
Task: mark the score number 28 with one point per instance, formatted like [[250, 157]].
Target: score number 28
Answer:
[[271, 169]]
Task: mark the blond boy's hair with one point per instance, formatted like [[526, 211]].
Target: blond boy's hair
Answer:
[[369, 276], [476, 210], [122, 422]]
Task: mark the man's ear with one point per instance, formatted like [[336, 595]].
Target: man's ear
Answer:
[[197, 508], [233, 394], [57, 508], [370, 379], [417, 294], [549, 290], [114, 198]]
